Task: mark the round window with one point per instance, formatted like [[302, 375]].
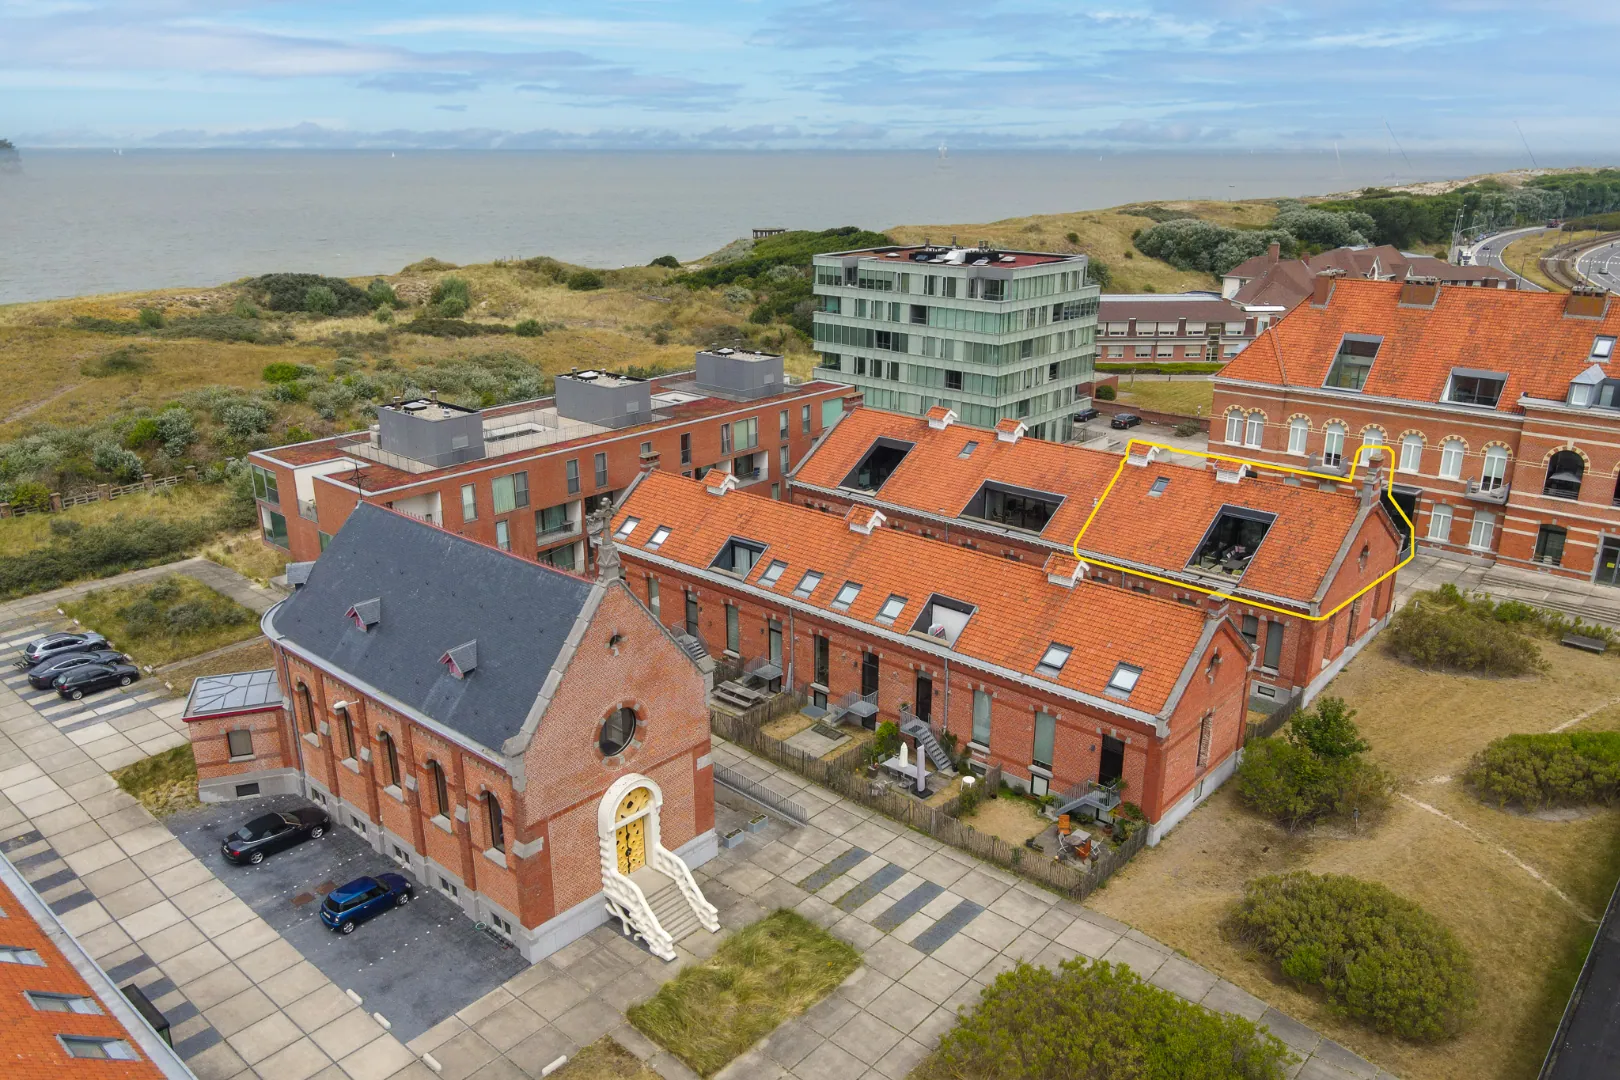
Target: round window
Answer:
[[618, 730]]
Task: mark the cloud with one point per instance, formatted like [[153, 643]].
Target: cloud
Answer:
[[451, 108], [421, 82]]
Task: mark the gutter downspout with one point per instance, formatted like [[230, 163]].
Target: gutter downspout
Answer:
[[292, 707]]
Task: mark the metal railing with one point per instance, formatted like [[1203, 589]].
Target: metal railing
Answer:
[[1496, 493], [764, 796]]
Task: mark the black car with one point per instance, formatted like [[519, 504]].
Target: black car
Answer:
[[74, 683], [1086, 414], [363, 898], [60, 645], [1124, 420], [42, 676], [269, 833]]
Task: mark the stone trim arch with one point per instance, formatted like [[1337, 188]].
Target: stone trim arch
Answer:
[[1414, 431], [1300, 416], [637, 738], [608, 823], [1570, 447], [1448, 438]]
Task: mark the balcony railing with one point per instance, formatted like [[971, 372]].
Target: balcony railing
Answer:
[[1488, 491], [306, 509]]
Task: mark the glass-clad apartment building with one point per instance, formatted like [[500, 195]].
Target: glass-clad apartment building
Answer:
[[992, 334]]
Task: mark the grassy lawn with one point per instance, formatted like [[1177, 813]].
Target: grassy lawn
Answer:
[[183, 502], [1526, 941], [604, 1059], [164, 783], [760, 976], [248, 555], [1189, 398], [170, 619]]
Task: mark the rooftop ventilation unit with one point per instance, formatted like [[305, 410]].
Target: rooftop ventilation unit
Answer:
[[739, 375], [430, 431], [603, 398]]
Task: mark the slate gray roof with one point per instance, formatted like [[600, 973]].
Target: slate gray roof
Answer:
[[240, 691], [438, 591]]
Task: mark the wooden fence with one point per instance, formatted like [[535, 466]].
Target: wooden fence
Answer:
[[101, 493], [843, 775], [1273, 723]]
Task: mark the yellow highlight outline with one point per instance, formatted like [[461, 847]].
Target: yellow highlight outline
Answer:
[[1355, 464]]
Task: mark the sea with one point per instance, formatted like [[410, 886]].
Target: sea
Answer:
[[76, 222]]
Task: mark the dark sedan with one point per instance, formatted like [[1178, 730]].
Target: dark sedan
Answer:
[[1124, 420], [270, 833], [74, 683], [42, 676], [1086, 414], [60, 645], [349, 905]]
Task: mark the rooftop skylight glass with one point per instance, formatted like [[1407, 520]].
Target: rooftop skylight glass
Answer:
[[772, 572], [807, 584], [1051, 664], [626, 527], [1124, 680], [846, 596], [891, 610], [658, 537]]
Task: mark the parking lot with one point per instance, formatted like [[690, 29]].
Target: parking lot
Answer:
[[414, 965]]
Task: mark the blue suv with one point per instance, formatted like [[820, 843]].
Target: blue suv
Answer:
[[354, 903]]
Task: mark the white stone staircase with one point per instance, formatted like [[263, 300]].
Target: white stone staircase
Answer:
[[669, 905]]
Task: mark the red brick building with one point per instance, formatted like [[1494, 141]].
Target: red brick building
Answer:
[[1020, 498], [1283, 283], [1498, 409], [1058, 679], [241, 736], [63, 1016], [520, 476], [1162, 328], [529, 742]]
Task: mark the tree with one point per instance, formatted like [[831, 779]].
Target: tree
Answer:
[[1328, 730], [321, 300], [669, 261]]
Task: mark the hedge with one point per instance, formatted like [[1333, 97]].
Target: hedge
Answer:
[[1569, 768], [126, 543], [1314, 770], [1174, 367], [1434, 633], [1377, 956], [1098, 1021]]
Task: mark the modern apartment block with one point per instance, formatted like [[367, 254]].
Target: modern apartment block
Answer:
[[1177, 327], [994, 335], [522, 476]]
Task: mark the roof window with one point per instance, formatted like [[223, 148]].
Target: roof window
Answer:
[[1602, 348], [877, 464], [890, 610], [1231, 541], [943, 619], [1353, 362], [26, 957], [1016, 507], [1051, 664], [967, 451], [1159, 484], [658, 537], [738, 556], [807, 584], [846, 596], [1469, 387], [1124, 680], [626, 527], [772, 573]]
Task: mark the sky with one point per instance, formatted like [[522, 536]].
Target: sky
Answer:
[[783, 74]]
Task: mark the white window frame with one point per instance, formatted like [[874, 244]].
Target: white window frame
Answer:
[[1299, 433], [1124, 679], [1440, 523], [1234, 427], [469, 502], [1451, 459], [1333, 443], [1411, 453], [1484, 523], [1052, 661], [1254, 430], [1494, 472]]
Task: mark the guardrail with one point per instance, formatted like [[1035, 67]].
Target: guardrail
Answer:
[[765, 797]]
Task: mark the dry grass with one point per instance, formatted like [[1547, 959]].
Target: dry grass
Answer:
[[248, 555], [1105, 234], [108, 611], [785, 727], [257, 656], [1523, 256], [184, 502], [604, 1059], [760, 976], [163, 783], [1527, 943], [1012, 819], [1190, 398]]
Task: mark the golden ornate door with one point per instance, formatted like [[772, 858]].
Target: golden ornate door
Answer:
[[631, 837]]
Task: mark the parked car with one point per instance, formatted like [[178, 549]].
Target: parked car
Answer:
[[42, 676], [346, 907], [1124, 420], [60, 645], [1086, 414], [269, 833], [74, 683]]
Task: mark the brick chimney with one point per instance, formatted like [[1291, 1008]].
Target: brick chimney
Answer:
[[1273, 253], [1372, 477], [1322, 290], [1586, 302], [853, 400], [1420, 292], [649, 461]]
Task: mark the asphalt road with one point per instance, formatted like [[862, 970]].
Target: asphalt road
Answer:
[[1489, 253], [1601, 266]]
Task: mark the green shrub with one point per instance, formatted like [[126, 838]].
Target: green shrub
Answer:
[[666, 260], [1098, 1021], [1072, 237], [212, 327], [113, 460], [283, 372], [290, 292], [320, 300], [529, 328], [1105, 392], [886, 742], [1188, 428], [1432, 633], [125, 327], [1314, 771], [452, 307], [380, 294], [435, 326], [385, 315], [124, 360], [177, 430], [246, 419], [584, 280], [1377, 956], [1567, 768], [144, 432], [31, 496], [165, 590], [244, 309], [150, 318], [126, 543], [452, 288]]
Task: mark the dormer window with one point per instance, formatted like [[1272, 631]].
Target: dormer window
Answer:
[[943, 619], [367, 613], [890, 610], [626, 527], [1353, 362], [1469, 387], [1602, 348], [846, 596], [1231, 541], [1124, 680], [807, 584], [772, 573], [738, 556], [658, 537], [1051, 664]]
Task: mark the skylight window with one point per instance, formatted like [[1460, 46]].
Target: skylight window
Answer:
[[738, 556], [846, 596], [1353, 362], [1602, 348], [1124, 680], [658, 537], [627, 527], [1468, 387], [967, 451], [1159, 485], [772, 573], [1051, 664], [891, 610]]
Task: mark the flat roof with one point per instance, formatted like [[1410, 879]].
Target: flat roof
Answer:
[[939, 255], [237, 692]]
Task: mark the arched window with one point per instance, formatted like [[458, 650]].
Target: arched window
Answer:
[[1333, 444], [1411, 453], [1564, 472], [1451, 459], [618, 730], [1255, 429], [1299, 430], [1495, 471], [309, 708], [441, 789], [348, 734], [390, 756], [497, 827], [1234, 427]]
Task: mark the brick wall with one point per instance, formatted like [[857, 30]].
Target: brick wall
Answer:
[[268, 730]]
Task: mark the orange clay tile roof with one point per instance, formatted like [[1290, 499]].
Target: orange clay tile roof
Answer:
[[1524, 334], [1019, 613], [1153, 531]]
